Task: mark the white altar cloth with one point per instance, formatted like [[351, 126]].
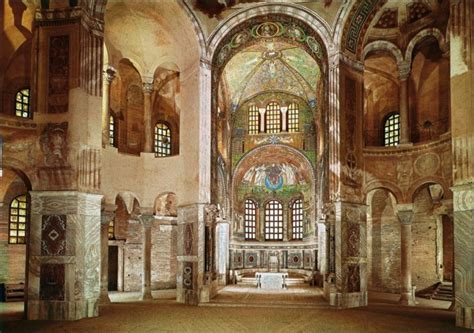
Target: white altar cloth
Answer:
[[270, 280]]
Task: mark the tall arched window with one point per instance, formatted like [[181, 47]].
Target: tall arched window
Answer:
[[293, 118], [273, 220], [297, 219], [162, 140], [112, 131], [22, 103], [253, 120], [273, 118], [391, 130], [250, 219], [17, 221]]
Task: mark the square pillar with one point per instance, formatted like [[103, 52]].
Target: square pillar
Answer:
[[64, 255], [191, 256], [464, 254], [350, 255]]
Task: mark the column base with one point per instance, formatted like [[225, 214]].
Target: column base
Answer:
[[348, 300], [54, 310], [104, 298], [146, 296], [465, 317], [407, 298]]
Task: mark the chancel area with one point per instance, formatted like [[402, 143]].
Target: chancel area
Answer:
[[197, 165]]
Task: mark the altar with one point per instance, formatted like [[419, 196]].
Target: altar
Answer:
[[271, 280]]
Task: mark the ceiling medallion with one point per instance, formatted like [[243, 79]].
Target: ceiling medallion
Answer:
[[271, 54]]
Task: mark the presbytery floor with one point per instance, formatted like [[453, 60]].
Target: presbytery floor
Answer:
[[243, 308], [159, 316]]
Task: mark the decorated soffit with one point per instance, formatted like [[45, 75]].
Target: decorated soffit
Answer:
[[271, 66], [397, 19]]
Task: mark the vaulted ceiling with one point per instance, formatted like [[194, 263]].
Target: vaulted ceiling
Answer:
[[271, 66]]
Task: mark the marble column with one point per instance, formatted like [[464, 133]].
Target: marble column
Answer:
[[105, 218], [109, 75], [222, 241], [147, 223], [284, 124], [405, 215], [147, 91], [261, 111], [403, 75]]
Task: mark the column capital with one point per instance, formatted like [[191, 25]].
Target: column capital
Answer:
[[109, 74], [445, 207], [107, 215], [405, 213], [147, 86], [404, 69]]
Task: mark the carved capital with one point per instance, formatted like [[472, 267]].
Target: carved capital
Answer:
[[404, 69], [405, 213], [148, 87], [106, 216], [212, 212], [109, 74], [146, 220]]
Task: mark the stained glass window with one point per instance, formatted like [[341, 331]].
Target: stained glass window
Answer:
[[273, 118], [250, 219], [392, 130], [273, 221], [162, 140], [22, 103], [293, 118], [17, 222], [297, 219], [112, 131], [253, 120]]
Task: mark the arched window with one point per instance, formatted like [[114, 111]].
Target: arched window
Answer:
[[250, 219], [111, 229], [17, 221], [273, 118], [253, 120], [162, 140], [391, 130], [293, 118], [112, 131], [273, 221], [22, 103], [297, 219]]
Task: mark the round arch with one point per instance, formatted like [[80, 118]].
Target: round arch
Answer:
[[422, 35], [385, 46]]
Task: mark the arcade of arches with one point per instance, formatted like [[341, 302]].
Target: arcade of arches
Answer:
[[187, 145]]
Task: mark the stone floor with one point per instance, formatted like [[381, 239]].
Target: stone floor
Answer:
[[263, 312]]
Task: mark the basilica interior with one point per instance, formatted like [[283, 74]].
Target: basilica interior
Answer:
[[161, 157]]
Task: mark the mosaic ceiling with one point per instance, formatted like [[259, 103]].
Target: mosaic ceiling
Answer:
[[271, 66]]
